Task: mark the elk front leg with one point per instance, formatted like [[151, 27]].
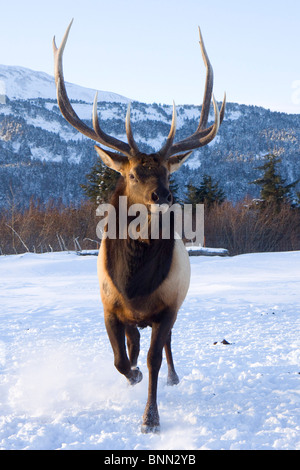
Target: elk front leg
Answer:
[[133, 347], [116, 333], [133, 344], [173, 378], [160, 334]]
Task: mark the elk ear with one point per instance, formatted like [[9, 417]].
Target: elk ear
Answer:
[[113, 160], [175, 162]]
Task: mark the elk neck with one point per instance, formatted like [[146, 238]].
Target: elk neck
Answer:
[[138, 267]]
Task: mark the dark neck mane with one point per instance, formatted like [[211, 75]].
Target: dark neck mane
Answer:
[[137, 267]]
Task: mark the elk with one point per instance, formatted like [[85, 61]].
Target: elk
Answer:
[[142, 282]]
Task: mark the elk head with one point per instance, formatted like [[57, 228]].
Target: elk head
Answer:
[[146, 176]]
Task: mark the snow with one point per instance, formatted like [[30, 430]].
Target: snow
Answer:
[[22, 83], [60, 390], [233, 115], [193, 162], [44, 154]]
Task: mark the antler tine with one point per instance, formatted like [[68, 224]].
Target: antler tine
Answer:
[[223, 107], [208, 84], [129, 134], [214, 129], [70, 115], [62, 97], [193, 142], [164, 152], [203, 135], [108, 140]]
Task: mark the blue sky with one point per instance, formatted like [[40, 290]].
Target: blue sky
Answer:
[[149, 51]]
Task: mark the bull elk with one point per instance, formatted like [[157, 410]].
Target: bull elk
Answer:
[[142, 282]]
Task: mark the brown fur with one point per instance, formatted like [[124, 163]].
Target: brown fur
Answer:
[[170, 293], [142, 282]]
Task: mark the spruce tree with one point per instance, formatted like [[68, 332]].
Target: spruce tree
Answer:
[[174, 188], [274, 189], [101, 183], [207, 193]]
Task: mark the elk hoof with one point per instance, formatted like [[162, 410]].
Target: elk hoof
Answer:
[[134, 376], [147, 429], [172, 379], [150, 419]]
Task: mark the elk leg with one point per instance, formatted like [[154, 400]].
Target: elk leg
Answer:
[[173, 378], [160, 334], [133, 347], [133, 344], [116, 333]]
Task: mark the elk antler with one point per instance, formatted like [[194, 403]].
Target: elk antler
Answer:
[[68, 112], [203, 135]]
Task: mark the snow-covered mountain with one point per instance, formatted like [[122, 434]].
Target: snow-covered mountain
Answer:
[[42, 156], [21, 83]]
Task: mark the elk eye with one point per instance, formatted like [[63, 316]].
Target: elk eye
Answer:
[[131, 176]]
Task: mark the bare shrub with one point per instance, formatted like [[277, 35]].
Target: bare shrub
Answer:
[[247, 228], [241, 228], [51, 227]]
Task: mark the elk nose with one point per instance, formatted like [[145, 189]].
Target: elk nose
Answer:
[[154, 197], [169, 197], [161, 199]]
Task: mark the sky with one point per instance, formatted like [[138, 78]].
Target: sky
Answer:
[[148, 50]]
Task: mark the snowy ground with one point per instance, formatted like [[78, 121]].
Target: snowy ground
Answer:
[[59, 388]]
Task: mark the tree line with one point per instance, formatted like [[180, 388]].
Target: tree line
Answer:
[[274, 190], [268, 223]]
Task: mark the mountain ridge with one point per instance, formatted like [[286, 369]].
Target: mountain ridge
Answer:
[[43, 157], [23, 83]]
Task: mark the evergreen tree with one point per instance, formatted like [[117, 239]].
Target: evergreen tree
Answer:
[[274, 189], [101, 183], [174, 187], [207, 193]]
